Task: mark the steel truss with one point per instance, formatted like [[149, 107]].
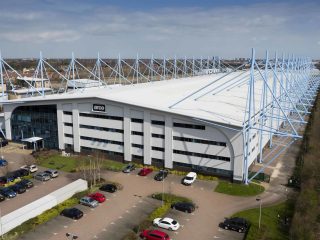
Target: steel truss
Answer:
[[281, 92], [113, 71]]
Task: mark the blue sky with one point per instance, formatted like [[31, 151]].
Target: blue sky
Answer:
[[228, 28]]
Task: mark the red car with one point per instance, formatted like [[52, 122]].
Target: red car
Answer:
[[145, 171], [98, 197], [154, 235]]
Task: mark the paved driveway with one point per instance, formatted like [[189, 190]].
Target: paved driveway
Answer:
[[39, 190], [129, 206]]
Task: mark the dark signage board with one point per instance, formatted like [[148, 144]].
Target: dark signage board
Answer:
[[99, 108]]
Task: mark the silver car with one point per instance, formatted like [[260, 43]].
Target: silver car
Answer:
[[42, 176], [53, 173], [88, 201]]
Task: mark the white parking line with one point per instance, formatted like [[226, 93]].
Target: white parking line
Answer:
[[65, 226], [55, 233], [202, 188], [120, 217], [112, 223], [216, 237], [134, 206], [187, 219], [95, 236], [127, 211], [104, 229]]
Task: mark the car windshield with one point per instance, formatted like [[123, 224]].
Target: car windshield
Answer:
[[174, 222], [189, 178]]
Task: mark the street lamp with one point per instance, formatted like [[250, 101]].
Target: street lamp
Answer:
[[260, 202]]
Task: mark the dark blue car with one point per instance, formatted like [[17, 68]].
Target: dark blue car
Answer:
[[3, 163], [7, 192]]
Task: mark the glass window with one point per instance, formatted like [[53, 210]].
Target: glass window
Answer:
[[36, 121]]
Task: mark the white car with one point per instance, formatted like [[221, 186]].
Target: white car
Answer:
[[166, 223], [190, 178], [31, 168]]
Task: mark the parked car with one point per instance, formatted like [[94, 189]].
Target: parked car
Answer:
[[99, 197], [8, 179], [184, 207], [7, 192], [145, 171], [73, 213], [161, 175], [52, 173], [236, 224], [2, 198], [154, 235], [26, 183], [18, 188], [109, 188], [190, 178], [3, 162], [129, 168], [42, 176], [31, 168], [88, 201], [21, 172], [3, 142], [166, 223]]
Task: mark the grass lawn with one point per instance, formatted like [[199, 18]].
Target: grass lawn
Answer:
[[237, 189], [113, 165], [70, 164], [66, 164], [272, 222]]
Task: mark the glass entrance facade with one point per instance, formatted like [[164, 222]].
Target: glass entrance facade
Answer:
[[36, 121]]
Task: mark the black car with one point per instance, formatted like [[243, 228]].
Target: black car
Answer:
[[2, 198], [129, 168], [22, 172], [184, 207], [7, 192], [26, 183], [73, 213], [18, 188], [161, 175], [3, 142], [109, 188], [236, 224]]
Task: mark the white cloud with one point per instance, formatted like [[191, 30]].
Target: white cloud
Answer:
[[226, 31], [40, 37]]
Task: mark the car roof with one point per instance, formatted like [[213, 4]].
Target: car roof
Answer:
[[191, 174], [167, 219], [96, 194], [237, 219]]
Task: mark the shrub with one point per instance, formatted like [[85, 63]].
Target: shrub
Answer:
[[170, 198], [159, 212]]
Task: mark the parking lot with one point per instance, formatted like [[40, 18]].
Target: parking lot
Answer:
[[128, 207], [40, 189]]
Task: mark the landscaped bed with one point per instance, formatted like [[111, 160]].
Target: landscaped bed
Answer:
[[274, 222], [159, 212], [237, 189]]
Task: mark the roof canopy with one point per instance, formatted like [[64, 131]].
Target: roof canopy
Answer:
[[32, 139]]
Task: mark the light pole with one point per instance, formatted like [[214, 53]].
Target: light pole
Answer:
[[260, 202], [162, 188]]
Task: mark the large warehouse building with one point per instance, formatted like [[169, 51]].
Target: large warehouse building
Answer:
[[143, 123]]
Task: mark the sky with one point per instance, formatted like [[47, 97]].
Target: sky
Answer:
[[225, 28]]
